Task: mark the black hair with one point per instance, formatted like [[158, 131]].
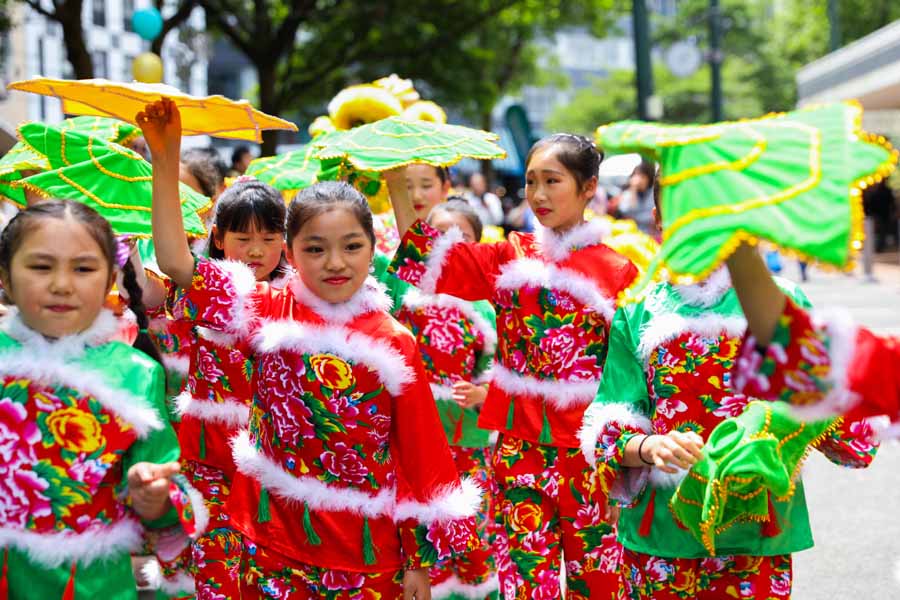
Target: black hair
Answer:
[[443, 174], [246, 204], [459, 205], [238, 153], [648, 170], [99, 229], [324, 196], [203, 165], [577, 154]]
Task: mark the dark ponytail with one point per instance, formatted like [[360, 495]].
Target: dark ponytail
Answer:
[[143, 341]]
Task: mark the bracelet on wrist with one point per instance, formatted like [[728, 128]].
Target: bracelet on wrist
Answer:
[[641, 450]]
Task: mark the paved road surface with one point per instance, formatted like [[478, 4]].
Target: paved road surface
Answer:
[[855, 514]]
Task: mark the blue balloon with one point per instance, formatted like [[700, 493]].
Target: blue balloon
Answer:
[[147, 23]]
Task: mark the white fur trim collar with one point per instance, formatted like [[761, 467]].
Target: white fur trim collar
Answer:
[[52, 370], [231, 412], [244, 282], [382, 358], [562, 395], [666, 327], [414, 299], [371, 297], [101, 331], [437, 258], [219, 338], [56, 548], [536, 273], [318, 495], [598, 416], [181, 584], [706, 293], [455, 501], [454, 586], [558, 247]]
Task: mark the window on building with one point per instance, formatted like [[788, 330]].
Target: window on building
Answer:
[[127, 13], [101, 68], [99, 12]]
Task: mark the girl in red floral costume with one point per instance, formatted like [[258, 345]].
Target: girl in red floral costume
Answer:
[[823, 363], [333, 494], [86, 451], [248, 227], [554, 293]]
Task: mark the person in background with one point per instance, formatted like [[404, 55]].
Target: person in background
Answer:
[[240, 160], [636, 200], [485, 203]]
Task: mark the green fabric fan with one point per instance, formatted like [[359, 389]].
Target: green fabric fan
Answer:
[[793, 179], [19, 159], [118, 185], [749, 462], [287, 172], [110, 130], [394, 142]]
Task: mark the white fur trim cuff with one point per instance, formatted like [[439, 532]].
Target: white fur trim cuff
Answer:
[[437, 258], [386, 361], [457, 501], [598, 416], [231, 412], [180, 585], [318, 495], [244, 282], [55, 548], [562, 395]]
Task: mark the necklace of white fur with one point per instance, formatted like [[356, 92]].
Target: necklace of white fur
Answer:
[[557, 247]]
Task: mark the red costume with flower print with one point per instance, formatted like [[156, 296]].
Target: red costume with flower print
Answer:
[[554, 297], [825, 365], [330, 470]]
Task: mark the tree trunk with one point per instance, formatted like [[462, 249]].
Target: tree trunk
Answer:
[[69, 16], [487, 166], [268, 103]]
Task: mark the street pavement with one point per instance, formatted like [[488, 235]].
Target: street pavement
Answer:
[[855, 514]]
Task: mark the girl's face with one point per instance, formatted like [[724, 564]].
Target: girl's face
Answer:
[[443, 220], [332, 253], [426, 190], [58, 278], [259, 250], [553, 193]]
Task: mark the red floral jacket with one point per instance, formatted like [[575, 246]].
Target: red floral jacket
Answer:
[[330, 470], [554, 297]]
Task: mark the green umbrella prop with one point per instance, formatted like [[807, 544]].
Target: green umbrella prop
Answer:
[[395, 142], [288, 172], [794, 179], [750, 463], [118, 185], [110, 130], [64, 147], [20, 162]]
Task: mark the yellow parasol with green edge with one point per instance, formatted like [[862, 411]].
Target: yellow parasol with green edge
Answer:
[[118, 185], [217, 116], [793, 179], [20, 162], [395, 142]]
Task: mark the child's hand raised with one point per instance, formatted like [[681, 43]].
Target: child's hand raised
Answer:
[[148, 486], [161, 123]]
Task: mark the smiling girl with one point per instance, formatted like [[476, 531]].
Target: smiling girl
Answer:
[[555, 293], [332, 492], [86, 457]]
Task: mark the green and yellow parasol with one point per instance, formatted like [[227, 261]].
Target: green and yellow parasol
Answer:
[[395, 142], [118, 185], [109, 130], [289, 172], [20, 162], [794, 179]]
